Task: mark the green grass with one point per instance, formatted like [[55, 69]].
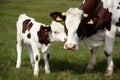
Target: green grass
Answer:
[[64, 64]]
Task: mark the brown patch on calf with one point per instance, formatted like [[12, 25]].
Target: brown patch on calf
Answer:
[[37, 58], [26, 25], [43, 35], [29, 35], [30, 26], [118, 23]]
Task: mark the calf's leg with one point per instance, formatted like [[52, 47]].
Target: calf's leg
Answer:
[[19, 51], [46, 60], [36, 58], [31, 56]]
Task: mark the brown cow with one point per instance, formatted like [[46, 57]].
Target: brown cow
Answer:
[[94, 22]]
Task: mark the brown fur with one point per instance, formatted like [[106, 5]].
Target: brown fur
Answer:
[[94, 7], [29, 35], [43, 35], [37, 58], [26, 25]]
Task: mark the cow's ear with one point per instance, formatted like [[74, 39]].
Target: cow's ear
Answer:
[[47, 29], [90, 21], [58, 16], [90, 18], [84, 15]]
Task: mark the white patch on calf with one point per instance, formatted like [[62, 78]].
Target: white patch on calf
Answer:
[[58, 32], [44, 47]]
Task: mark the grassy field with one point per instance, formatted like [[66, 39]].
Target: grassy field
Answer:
[[64, 64]]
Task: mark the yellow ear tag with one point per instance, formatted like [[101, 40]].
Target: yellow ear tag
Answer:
[[90, 22], [58, 18]]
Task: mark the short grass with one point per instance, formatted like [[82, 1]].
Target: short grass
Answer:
[[64, 64]]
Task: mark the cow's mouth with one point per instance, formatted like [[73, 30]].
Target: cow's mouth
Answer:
[[70, 46]]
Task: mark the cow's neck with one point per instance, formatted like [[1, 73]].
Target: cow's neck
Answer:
[[89, 6], [94, 7]]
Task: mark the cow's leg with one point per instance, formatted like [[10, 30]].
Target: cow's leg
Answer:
[[92, 61], [109, 41], [46, 60], [31, 56], [36, 54], [19, 51]]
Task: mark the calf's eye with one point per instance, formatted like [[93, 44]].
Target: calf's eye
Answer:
[[56, 32]]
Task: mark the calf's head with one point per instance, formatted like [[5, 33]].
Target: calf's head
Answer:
[[57, 32]]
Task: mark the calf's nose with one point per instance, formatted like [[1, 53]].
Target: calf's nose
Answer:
[[65, 39]]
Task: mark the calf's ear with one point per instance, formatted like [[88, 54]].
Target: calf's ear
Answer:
[[58, 16]]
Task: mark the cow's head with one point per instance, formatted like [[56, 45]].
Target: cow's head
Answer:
[[72, 19], [57, 32]]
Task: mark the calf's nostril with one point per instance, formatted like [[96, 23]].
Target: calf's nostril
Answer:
[[65, 39]]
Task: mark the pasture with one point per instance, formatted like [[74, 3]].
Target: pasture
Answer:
[[64, 64]]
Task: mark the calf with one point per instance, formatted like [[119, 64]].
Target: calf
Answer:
[[37, 35]]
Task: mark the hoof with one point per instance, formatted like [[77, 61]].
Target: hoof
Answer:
[[89, 70], [108, 73], [90, 67], [36, 75], [17, 66], [48, 72]]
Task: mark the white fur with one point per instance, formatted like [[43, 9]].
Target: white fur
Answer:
[[110, 35], [33, 42], [72, 21], [95, 40], [58, 32]]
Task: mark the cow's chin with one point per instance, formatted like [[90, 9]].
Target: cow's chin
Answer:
[[71, 47]]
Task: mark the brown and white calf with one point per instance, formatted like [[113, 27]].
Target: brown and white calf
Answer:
[[37, 35], [94, 22]]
